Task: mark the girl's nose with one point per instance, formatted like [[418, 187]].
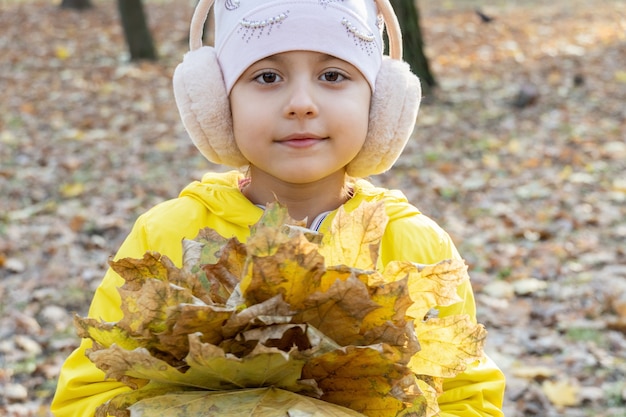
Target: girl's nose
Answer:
[[301, 102]]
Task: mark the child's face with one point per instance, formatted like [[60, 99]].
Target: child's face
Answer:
[[300, 116]]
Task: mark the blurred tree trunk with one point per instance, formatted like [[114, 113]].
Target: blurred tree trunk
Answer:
[[412, 41], [76, 4], [136, 31]]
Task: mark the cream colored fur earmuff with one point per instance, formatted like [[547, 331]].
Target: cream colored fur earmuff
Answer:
[[204, 106]]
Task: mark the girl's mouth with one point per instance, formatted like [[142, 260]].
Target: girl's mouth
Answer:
[[301, 140]]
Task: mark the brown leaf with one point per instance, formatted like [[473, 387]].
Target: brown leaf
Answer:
[[294, 270], [365, 379], [272, 311], [136, 271], [225, 274], [339, 311]]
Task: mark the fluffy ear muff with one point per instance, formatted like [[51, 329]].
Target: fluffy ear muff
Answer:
[[393, 112], [204, 107]]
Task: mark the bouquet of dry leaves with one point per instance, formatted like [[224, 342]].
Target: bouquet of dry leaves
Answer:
[[289, 323]]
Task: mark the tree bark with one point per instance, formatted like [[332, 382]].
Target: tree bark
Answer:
[[76, 4], [136, 31], [412, 41]]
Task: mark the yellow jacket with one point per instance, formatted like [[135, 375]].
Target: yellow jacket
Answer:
[[216, 202]]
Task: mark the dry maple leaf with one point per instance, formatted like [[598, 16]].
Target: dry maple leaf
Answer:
[[262, 327], [258, 402]]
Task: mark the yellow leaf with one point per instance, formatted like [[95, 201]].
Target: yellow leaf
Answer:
[[339, 311], [354, 237], [73, 189], [343, 272], [562, 393], [534, 372], [207, 367], [136, 272], [365, 379], [620, 76], [268, 233], [105, 334], [259, 402], [122, 401], [210, 244], [428, 406], [393, 300], [294, 269], [166, 145], [62, 52], [431, 285], [261, 368], [448, 345]]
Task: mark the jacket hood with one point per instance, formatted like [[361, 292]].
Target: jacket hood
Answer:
[[220, 194]]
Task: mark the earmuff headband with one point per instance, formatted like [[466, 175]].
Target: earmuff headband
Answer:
[[198, 20]]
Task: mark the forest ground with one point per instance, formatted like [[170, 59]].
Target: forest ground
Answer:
[[520, 154]]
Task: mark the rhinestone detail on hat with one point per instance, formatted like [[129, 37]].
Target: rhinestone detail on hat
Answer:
[[352, 29], [364, 41], [257, 27], [256, 24]]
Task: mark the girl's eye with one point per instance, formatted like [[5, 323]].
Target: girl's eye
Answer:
[[267, 78], [332, 76]]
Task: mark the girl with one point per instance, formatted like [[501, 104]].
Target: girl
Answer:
[[297, 91]]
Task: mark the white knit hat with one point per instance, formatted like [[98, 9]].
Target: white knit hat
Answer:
[[249, 30]]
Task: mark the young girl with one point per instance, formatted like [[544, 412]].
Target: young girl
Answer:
[[297, 91]]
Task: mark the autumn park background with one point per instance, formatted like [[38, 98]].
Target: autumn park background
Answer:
[[519, 153]]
